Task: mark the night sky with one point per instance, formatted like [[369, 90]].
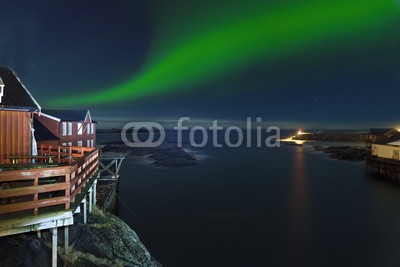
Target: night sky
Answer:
[[309, 63]]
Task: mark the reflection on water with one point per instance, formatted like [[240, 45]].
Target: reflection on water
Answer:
[[299, 222]]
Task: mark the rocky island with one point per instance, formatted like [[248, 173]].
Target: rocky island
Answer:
[[165, 155]]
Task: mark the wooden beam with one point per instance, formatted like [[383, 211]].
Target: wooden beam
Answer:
[[40, 220], [30, 190], [30, 174], [30, 205]]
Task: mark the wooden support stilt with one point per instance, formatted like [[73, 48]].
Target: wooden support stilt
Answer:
[[94, 192], [90, 192], [39, 234], [54, 247], [110, 163], [84, 210], [107, 168], [66, 239]]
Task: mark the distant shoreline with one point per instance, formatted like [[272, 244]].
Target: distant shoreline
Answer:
[[333, 136], [347, 153]]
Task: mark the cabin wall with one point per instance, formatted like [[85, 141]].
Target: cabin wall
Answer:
[[93, 136], [385, 151], [75, 137], [15, 134], [52, 142]]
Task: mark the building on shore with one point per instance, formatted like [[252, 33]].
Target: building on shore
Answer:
[[65, 127], [42, 185], [380, 134], [383, 156]]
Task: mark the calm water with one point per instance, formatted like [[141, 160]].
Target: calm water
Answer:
[[288, 206]]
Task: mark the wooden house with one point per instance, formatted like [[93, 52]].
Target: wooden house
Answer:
[[17, 106], [42, 186], [377, 135], [65, 128]]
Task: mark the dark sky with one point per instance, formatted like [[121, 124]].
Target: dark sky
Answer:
[[67, 48]]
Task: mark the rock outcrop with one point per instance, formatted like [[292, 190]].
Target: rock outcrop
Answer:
[[349, 153], [104, 241]]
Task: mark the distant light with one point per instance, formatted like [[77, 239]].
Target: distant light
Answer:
[[299, 142], [300, 132]]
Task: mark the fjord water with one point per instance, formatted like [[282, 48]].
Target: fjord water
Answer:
[[287, 206]]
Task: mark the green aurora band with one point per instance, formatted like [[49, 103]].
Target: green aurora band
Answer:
[[263, 34]]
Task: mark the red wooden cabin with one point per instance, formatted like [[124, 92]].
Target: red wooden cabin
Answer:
[[65, 128], [17, 106]]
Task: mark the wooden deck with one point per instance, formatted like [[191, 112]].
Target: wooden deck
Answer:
[[44, 191], [32, 192]]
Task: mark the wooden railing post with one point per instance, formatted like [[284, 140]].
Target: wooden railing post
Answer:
[[36, 195], [68, 189]]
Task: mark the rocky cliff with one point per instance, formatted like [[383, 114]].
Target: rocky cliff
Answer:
[[104, 241]]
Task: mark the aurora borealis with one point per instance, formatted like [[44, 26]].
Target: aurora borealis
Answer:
[[304, 63], [269, 33]]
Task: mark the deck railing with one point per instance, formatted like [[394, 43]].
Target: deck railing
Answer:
[[63, 153], [31, 189]]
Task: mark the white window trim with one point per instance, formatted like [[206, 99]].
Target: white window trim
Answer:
[[80, 128], [64, 129], [69, 128]]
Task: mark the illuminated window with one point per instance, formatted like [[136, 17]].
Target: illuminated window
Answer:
[[69, 128], [64, 128], [80, 128]]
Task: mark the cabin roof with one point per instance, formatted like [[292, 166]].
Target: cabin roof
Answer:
[[68, 115], [394, 138], [42, 133], [380, 131], [15, 95]]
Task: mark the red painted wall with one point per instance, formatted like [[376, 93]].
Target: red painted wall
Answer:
[[15, 134]]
